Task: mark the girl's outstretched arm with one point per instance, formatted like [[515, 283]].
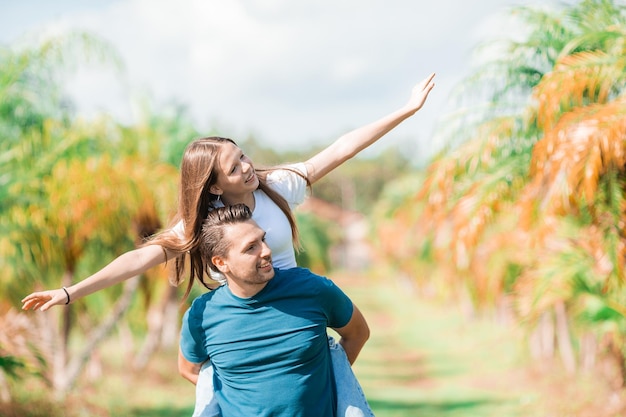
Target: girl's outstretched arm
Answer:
[[125, 266], [355, 141]]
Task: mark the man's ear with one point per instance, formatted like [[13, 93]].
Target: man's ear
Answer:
[[214, 189], [220, 263]]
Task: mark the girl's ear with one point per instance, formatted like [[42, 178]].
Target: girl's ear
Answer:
[[215, 190]]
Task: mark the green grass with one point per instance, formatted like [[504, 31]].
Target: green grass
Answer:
[[426, 360]]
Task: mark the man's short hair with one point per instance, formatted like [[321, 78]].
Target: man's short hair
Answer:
[[212, 240]]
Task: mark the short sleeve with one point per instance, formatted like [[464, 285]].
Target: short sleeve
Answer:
[[337, 304], [289, 184], [192, 345]]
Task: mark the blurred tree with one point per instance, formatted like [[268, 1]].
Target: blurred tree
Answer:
[[34, 120], [358, 184], [65, 207], [159, 137], [317, 238], [52, 235], [33, 110], [526, 210]]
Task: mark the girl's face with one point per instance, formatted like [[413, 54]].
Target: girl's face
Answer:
[[236, 175]]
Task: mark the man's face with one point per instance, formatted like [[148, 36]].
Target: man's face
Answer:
[[248, 262]]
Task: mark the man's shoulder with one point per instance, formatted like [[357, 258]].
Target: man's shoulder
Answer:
[[201, 301], [297, 272], [303, 278]]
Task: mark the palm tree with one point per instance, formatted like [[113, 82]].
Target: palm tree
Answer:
[[65, 206], [527, 211], [156, 145], [104, 208], [53, 234], [33, 132]]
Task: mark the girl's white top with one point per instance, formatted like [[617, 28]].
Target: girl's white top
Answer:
[[269, 216]]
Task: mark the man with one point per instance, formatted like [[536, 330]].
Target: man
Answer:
[[265, 332]]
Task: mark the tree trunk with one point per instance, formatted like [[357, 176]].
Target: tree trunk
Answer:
[[59, 342], [616, 352], [171, 322], [548, 336], [563, 338], [159, 319], [588, 351], [542, 339], [5, 393], [78, 362]]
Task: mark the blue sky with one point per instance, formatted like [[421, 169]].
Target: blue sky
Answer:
[[292, 73]]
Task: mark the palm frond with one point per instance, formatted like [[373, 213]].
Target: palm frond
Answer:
[[568, 162], [578, 80], [596, 16]]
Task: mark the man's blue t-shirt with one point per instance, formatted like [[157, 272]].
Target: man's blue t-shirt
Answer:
[[270, 352]]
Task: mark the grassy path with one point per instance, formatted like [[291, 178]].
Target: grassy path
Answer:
[[425, 360]]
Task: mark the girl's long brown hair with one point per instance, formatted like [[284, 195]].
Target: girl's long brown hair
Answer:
[[198, 172]]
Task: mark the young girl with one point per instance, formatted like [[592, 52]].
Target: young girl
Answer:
[[215, 172]]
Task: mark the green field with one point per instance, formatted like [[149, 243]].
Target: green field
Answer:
[[428, 359]]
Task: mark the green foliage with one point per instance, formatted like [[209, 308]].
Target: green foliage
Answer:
[[31, 80], [36, 133], [397, 193], [317, 237], [358, 185], [10, 365], [160, 135]]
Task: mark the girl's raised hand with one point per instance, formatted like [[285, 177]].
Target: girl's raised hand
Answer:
[[419, 93]]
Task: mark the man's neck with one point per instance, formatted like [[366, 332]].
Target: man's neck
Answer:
[[244, 290]]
